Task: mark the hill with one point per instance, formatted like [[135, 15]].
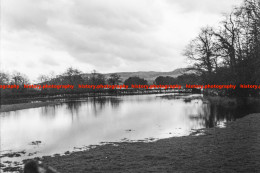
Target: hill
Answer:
[[150, 76]]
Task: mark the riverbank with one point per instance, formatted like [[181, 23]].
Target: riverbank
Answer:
[[235, 148], [20, 106], [40, 102]]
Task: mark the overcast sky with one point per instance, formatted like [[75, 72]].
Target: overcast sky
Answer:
[[41, 36]]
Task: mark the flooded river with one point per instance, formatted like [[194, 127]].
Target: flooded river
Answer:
[[75, 125]]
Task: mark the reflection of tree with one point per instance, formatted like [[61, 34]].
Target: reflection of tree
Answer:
[[213, 113], [73, 107], [212, 116], [49, 111], [115, 102], [100, 103]]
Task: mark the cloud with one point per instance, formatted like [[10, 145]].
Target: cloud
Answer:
[[114, 35], [206, 6], [116, 14], [24, 15], [48, 60]]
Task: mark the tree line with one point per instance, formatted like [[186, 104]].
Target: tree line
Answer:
[[73, 76], [230, 53]]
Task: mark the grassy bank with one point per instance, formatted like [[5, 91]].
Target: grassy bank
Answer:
[[19, 106], [232, 149]]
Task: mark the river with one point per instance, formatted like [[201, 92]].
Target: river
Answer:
[[76, 125]]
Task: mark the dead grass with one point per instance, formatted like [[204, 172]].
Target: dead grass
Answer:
[[232, 149]]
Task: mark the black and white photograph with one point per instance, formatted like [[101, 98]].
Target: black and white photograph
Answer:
[[129, 86]]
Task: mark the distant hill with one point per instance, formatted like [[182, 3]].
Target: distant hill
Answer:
[[150, 76]]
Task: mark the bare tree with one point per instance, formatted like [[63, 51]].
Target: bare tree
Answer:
[[43, 78], [4, 78], [114, 79], [72, 72], [19, 79], [201, 51]]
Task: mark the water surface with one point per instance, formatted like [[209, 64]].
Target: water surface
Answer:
[[76, 124]]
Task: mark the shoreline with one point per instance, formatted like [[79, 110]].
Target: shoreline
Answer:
[[20, 106], [40, 102], [235, 148]]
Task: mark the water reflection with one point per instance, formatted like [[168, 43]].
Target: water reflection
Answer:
[[212, 113], [49, 111], [110, 119], [222, 113]]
